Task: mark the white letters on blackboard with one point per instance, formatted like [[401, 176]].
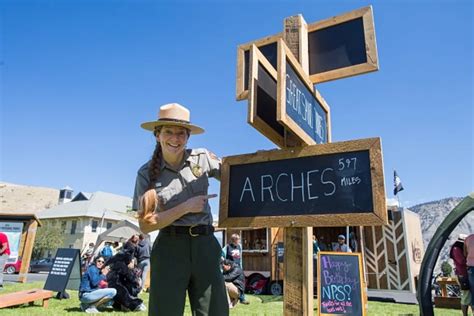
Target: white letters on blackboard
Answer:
[[304, 186], [247, 181], [267, 187]]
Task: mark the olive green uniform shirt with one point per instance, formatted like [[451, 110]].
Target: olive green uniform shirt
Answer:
[[176, 186]]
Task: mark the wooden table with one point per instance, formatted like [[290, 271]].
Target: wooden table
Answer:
[[444, 300]]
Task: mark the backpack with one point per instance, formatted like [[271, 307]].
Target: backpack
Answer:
[[106, 252]]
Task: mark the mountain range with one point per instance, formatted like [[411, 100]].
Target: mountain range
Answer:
[[432, 215]]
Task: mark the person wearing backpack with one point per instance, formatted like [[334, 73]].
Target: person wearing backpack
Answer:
[[460, 268], [107, 252]]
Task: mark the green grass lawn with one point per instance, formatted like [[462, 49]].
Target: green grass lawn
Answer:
[[259, 305]]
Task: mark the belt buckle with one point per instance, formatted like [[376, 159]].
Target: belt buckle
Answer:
[[191, 231]]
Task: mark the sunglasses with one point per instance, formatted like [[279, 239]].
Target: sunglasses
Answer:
[[100, 261]]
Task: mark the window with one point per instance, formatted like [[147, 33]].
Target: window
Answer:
[[63, 226], [255, 240], [94, 226], [73, 227], [68, 194], [109, 225]]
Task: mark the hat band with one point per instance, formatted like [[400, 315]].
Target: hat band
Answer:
[[174, 120]]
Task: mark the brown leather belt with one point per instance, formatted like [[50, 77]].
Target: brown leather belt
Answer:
[[193, 231]]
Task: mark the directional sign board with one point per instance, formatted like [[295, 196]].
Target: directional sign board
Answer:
[[339, 47], [300, 107], [334, 184], [262, 99]]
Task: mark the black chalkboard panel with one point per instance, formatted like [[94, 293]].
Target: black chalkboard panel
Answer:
[[315, 185], [65, 272], [334, 184], [266, 104], [338, 46], [269, 51], [340, 286]]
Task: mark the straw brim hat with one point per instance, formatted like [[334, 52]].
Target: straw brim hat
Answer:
[[173, 114]]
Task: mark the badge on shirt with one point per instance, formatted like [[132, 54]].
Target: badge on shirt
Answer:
[[196, 170]]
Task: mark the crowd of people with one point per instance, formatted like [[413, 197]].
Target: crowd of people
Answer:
[[115, 276], [462, 253]]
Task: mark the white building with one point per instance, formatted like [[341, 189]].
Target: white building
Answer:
[[87, 215]]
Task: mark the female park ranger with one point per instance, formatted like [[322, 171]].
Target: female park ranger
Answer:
[[171, 195]]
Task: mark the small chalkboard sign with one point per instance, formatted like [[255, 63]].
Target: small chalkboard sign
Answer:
[[262, 98], [340, 284], [268, 47], [333, 184], [300, 107], [65, 272], [342, 46]]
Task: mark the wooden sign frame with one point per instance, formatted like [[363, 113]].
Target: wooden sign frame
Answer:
[[370, 45], [285, 55], [241, 92], [361, 277], [365, 13], [256, 58], [377, 217]]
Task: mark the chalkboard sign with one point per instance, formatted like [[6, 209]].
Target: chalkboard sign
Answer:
[[267, 47], [65, 272], [262, 99], [340, 284], [338, 47], [342, 46], [334, 184], [300, 107]]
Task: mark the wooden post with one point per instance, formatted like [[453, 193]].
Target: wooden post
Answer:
[[298, 259], [27, 250]]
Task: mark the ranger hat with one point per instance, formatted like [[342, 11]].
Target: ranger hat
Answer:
[[173, 114]]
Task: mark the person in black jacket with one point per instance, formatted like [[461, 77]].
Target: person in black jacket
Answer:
[[234, 281], [124, 279]]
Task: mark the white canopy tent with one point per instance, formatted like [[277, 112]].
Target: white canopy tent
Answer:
[[121, 233]]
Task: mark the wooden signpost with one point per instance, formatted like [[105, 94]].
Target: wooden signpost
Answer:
[[310, 182]]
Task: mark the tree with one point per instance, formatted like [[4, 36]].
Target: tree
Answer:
[[49, 237], [446, 269]]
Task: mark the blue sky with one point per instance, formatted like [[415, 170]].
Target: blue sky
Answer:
[[78, 78]]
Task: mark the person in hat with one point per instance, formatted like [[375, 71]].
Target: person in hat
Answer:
[[341, 244], [171, 194]]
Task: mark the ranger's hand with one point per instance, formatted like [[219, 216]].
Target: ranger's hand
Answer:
[[197, 203]]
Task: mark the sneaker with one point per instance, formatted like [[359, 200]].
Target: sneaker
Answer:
[[140, 308], [92, 310], [245, 302]]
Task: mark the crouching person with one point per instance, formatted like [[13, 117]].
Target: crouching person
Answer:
[[234, 281], [91, 291], [125, 280]]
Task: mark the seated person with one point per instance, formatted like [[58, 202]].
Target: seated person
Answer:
[[234, 281], [126, 281], [91, 294]]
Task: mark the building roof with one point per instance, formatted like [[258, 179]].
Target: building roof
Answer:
[[109, 205]]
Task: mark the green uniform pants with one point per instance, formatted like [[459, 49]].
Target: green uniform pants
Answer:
[[180, 263]]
